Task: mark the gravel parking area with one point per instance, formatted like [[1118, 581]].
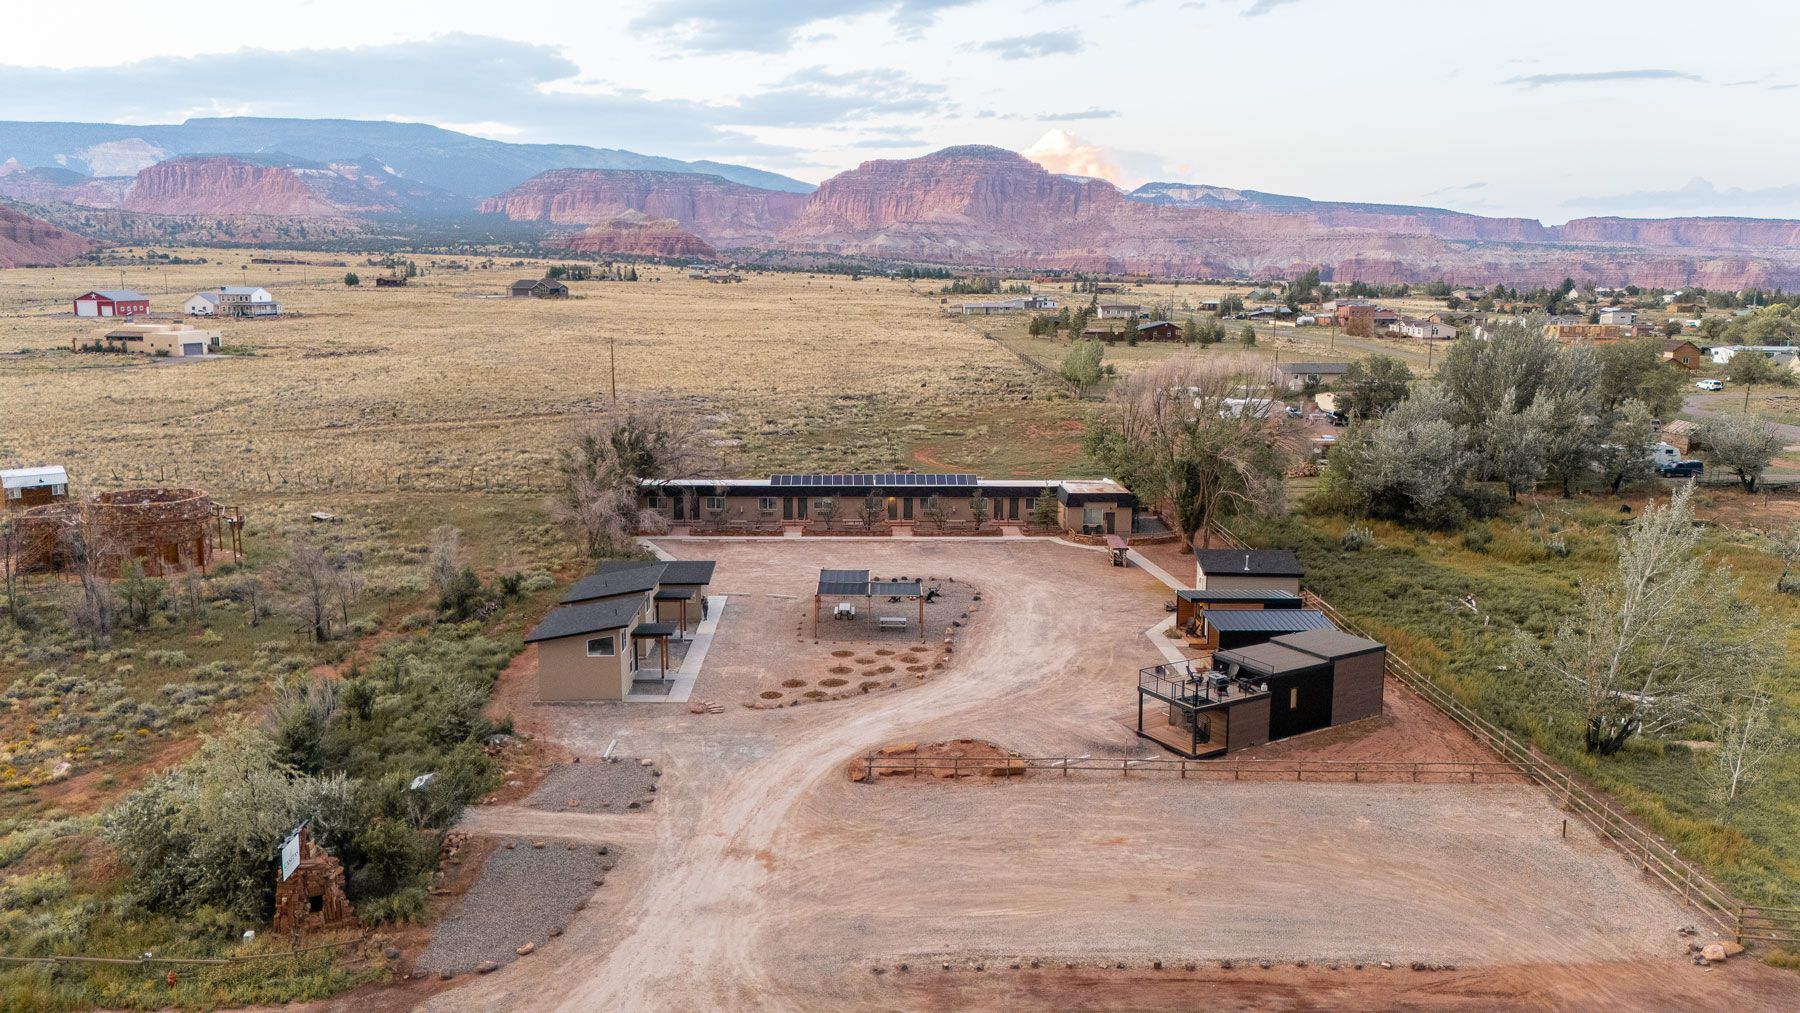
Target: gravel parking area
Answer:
[[523, 894], [595, 786]]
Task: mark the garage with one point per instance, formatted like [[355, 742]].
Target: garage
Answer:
[[196, 348]]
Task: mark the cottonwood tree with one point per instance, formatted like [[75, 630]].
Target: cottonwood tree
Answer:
[[1187, 435], [1624, 455], [1515, 444], [89, 550], [1373, 385], [1648, 648], [10, 548], [317, 586], [1081, 369], [1744, 738], [1636, 371], [444, 558], [874, 508], [605, 462], [1742, 443], [1408, 465]]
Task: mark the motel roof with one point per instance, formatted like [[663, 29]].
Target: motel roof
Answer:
[[1251, 562], [32, 478], [617, 577], [1266, 620], [1330, 644], [1270, 659], [674, 571], [590, 617], [1237, 595]]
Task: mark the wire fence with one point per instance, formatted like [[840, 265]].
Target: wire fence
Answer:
[[149, 958], [1746, 923], [1373, 771]]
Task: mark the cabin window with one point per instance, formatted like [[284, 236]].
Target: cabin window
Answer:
[[823, 503], [656, 502], [59, 490], [1092, 515], [1293, 697], [602, 647], [1031, 503], [715, 502], [15, 493], [767, 504]]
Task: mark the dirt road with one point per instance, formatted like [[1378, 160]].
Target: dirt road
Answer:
[[1709, 406], [763, 879]]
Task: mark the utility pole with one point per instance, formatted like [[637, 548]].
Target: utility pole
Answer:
[[613, 357]]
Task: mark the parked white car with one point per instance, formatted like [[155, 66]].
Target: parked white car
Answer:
[[1710, 384]]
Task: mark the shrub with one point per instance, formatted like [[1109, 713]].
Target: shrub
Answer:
[[1355, 537], [1477, 538]]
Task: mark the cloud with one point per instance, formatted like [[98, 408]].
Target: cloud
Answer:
[[490, 87], [1590, 77], [1261, 7], [1701, 197], [1085, 114], [1062, 152], [1463, 188], [738, 26], [1028, 47], [816, 96]]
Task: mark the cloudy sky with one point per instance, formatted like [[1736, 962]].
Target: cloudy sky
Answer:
[[1541, 108]]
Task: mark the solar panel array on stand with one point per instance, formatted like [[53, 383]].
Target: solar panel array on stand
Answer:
[[894, 480]]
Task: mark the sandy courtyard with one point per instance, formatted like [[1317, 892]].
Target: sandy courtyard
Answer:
[[763, 878]]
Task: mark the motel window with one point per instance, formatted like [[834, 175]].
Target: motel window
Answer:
[[1092, 515], [1031, 502], [601, 647], [655, 502], [715, 502], [768, 504], [822, 503]]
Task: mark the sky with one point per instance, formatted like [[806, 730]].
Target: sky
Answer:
[[1539, 109]]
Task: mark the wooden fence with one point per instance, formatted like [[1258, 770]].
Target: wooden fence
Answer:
[[1374, 771], [1743, 922]]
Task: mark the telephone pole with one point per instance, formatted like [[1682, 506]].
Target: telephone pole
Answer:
[[613, 358]]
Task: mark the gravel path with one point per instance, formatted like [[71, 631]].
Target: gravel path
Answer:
[[523, 892], [595, 786]]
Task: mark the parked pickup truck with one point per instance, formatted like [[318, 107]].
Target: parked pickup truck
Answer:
[[1682, 469]]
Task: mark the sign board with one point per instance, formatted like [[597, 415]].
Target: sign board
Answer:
[[290, 854]]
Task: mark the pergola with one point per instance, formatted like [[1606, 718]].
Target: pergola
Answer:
[[660, 634], [857, 584]]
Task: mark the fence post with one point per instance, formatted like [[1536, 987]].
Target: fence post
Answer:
[[869, 771], [1184, 770], [1065, 766]]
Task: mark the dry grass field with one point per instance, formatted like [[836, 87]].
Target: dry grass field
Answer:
[[432, 387]]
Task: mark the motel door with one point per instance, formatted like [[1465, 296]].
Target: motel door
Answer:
[[681, 506], [787, 508], [1109, 523]]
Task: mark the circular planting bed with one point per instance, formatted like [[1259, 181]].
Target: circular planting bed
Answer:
[[883, 652], [833, 683], [909, 668], [770, 694], [884, 670], [815, 694], [839, 670], [793, 683], [908, 659], [842, 654], [871, 684], [864, 661]]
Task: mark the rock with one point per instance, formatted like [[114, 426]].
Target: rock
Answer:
[[510, 845], [905, 967], [1156, 965], [486, 967], [696, 707], [537, 845], [1713, 952], [647, 763], [1731, 949], [604, 849], [1420, 965], [390, 952], [525, 950], [709, 208], [1265, 964], [1387, 966], [555, 930], [1224, 965], [877, 970], [444, 975], [633, 805]]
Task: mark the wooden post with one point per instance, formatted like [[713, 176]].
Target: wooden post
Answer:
[[815, 617]]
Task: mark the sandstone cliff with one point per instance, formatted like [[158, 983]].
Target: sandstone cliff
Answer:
[[635, 234], [717, 210], [221, 185], [28, 242]]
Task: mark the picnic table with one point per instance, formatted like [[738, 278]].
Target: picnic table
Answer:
[[843, 610], [1117, 547], [891, 622]]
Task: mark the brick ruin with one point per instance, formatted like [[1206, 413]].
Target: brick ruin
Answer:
[[171, 530], [312, 898]]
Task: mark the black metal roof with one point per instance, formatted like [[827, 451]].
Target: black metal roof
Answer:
[[1270, 659], [675, 594], [1253, 562], [652, 631], [591, 617], [1266, 620], [1237, 594], [891, 588], [636, 576], [674, 571]]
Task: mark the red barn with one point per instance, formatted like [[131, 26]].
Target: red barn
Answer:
[[118, 302]]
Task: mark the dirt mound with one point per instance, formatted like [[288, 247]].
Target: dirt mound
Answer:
[[951, 759]]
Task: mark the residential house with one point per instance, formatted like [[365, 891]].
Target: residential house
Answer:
[[1685, 354], [1158, 330], [1621, 315], [118, 302], [1117, 311], [1681, 434], [1027, 304], [29, 487], [232, 301], [1785, 356], [174, 340], [1299, 375], [1428, 330], [538, 288]]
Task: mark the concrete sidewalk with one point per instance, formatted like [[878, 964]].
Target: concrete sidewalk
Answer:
[[683, 685]]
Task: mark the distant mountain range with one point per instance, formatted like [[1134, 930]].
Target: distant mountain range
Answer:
[[455, 163], [970, 205]]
